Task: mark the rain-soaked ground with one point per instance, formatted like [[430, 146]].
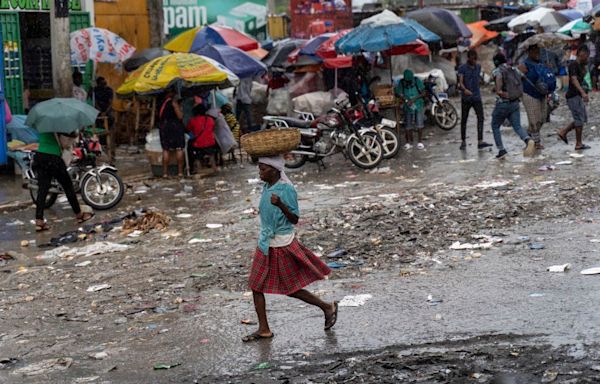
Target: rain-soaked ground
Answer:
[[452, 247]]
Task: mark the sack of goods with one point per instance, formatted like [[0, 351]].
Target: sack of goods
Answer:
[[271, 142]]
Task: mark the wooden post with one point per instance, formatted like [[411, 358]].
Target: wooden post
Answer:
[[61, 50], [156, 22]]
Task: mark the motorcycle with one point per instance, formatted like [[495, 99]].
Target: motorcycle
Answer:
[[438, 106], [100, 186], [337, 131]]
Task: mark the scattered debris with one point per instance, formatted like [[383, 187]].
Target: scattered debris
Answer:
[[536, 246], [559, 268], [165, 366], [591, 271], [45, 367], [214, 226], [355, 301], [149, 221], [98, 248], [433, 301], [98, 287]]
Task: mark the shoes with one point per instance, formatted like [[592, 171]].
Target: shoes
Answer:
[[501, 154], [529, 148], [407, 146], [483, 145], [463, 146], [421, 146]]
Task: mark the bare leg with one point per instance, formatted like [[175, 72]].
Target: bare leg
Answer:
[[563, 132], [309, 298], [165, 163], [420, 134], [180, 161], [260, 306], [579, 137], [409, 137]]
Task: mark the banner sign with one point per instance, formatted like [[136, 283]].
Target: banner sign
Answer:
[[310, 18], [248, 16], [35, 5]]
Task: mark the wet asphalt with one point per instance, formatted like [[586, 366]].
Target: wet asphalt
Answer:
[[502, 291]]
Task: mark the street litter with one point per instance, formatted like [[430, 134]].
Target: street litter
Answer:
[[492, 184], [214, 226], [433, 301], [98, 287], [261, 366], [389, 196], [355, 301], [565, 162], [101, 247], [14, 223], [547, 182], [595, 241], [546, 167], [338, 253], [253, 181], [559, 268], [99, 355], [458, 246], [537, 295], [381, 170], [182, 194], [576, 155], [591, 271], [166, 366], [135, 233], [83, 264], [146, 223], [196, 240], [248, 211], [536, 246], [335, 265], [184, 215], [45, 366], [141, 191]]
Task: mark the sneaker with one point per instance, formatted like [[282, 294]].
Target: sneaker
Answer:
[[483, 145], [529, 148], [420, 146], [407, 146], [463, 146], [501, 154]]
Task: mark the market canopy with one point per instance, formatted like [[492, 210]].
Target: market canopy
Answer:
[[142, 57], [196, 38], [185, 70], [279, 54], [444, 23], [480, 34], [99, 45], [576, 28], [500, 25], [236, 60], [545, 18]]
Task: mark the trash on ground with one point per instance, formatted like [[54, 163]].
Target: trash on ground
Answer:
[[83, 263], [214, 226], [576, 155], [15, 223], [184, 216], [537, 295], [99, 355], [253, 181], [265, 365], [381, 170], [146, 223], [98, 248], [338, 253], [457, 245], [492, 184], [355, 301], [45, 366], [536, 246], [98, 287], [559, 268], [433, 301], [591, 271], [197, 240], [336, 265], [165, 366], [547, 167], [565, 162]]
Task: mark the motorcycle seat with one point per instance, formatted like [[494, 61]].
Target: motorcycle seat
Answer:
[[295, 123]]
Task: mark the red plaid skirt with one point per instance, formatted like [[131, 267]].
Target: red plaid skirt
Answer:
[[286, 270]]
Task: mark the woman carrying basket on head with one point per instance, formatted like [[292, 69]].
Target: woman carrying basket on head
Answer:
[[282, 265]]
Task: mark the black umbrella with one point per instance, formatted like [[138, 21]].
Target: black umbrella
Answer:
[[142, 57], [443, 23], [279, 54], [500, 25]]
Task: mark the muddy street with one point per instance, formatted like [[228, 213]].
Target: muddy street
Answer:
[[448, 251]]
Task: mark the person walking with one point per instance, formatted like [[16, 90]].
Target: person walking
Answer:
[[577, 97], [48, 164], [282, 265], [411, 91], [172, 132], [469, 76], [509, 90], [534, 102], [243, 103]]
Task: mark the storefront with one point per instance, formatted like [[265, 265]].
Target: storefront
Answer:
[[25, 26]]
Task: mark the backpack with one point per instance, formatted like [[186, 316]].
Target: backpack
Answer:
[[546, 82], [512, 83]]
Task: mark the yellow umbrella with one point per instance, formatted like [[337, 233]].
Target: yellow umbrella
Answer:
[[184, 69]]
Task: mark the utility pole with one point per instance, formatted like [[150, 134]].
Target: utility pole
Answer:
[[271, 7], [61, 50], [156, 19]]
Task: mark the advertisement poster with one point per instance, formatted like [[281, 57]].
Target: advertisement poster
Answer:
[[249, 16], [313, 17]]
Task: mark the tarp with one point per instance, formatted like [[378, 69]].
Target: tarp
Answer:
[[480, 33]]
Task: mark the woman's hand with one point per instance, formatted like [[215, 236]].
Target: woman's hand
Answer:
[[275, 200]]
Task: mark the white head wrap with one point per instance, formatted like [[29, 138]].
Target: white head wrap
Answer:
[[278, 163]]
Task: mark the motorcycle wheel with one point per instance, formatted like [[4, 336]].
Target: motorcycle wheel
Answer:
[[368, 156], [105, 195], [293, 160], [50, 198], [390, 142], [445, 115]]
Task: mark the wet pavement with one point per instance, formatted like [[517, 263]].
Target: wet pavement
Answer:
[[437, 314]]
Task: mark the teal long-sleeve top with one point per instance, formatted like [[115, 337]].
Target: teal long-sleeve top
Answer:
[[272, 220]]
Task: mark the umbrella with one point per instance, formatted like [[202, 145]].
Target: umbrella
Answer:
[[545, 18], [61, 115], [556, 5], [571, 14], [238, 61], [366, 38], [279, 54], [442, 22], [543, 40], [576, 28], [99, 45], [177, 69], [142, 57], [311, 46], [195, 38], [500, 25], [389, 18], [327, 49], [596, 10], [480, 33]]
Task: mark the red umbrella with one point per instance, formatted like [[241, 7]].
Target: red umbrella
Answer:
[[327, 49], [417, 48]]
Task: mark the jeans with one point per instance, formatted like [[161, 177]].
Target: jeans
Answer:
[[507, 110], [466, 105], [48, 167], [245, 109]]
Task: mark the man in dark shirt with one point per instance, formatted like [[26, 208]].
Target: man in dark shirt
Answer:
[[577, 97], [469, 75], [103, 99]]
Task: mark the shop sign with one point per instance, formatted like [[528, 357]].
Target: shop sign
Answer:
[[35, 5], [249, 16]]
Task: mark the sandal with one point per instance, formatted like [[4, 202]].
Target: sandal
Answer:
[[330, 322], [85, 218], [42, 227], [255, 337], [583, 147], [563, 138]]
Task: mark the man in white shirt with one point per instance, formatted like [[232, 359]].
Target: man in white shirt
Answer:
[[78, 92], [243, 103]]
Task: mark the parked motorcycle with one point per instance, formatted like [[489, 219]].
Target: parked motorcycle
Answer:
[[438, 106], [337, 131], [100, 186]]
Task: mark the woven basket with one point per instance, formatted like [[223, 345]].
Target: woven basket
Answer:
[[271, 142]]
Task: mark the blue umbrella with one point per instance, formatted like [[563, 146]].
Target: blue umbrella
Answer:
[[311, 46], [236, 60], [571, 14]]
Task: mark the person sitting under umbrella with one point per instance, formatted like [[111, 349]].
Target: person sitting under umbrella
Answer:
[[203, 143]]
